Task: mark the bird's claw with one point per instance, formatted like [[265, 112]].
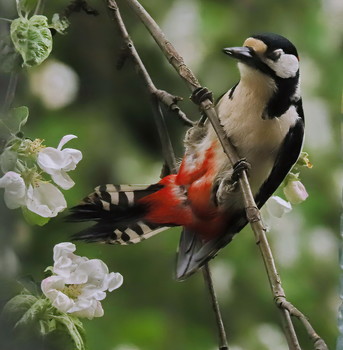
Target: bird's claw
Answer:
[[201, 94], [238, 168]]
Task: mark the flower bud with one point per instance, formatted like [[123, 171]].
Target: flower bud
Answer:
[[295, 192]]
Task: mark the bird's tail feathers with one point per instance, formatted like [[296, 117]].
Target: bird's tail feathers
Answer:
[[118, 214]]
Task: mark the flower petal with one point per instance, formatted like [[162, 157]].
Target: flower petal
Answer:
[[63, 248], [45, 200], [277, 206], [295, 192], [72, 157], [93, 310], [15, 189], [62, 302], [62, 179], [50, 159], [65, 139], [114, 281], [52, 283]]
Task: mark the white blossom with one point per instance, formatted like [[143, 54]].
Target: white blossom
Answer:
[[79, 284], [57, 162], [275, 207], [39, 197], [45, 199], [295, 192], [15, 189]]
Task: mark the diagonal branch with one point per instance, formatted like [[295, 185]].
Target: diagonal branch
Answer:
[[252, 211], [158, 97]]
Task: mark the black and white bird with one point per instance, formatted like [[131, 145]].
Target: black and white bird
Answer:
[[262, 116]]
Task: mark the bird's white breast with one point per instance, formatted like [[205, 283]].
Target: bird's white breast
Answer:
[[256, 139]]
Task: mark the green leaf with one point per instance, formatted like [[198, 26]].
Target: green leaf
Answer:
[[30, 285], [26, 6], [8, 160], [17, 118], [33, 218], [34, 313], [59, 24], [32, 39], [47, 326], [11, 60], [74, 328], [16, 307]]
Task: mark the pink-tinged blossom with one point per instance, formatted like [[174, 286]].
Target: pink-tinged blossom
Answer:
[[295, 192]]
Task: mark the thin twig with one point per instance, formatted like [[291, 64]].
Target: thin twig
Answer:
[[223, 345], [39, 7], [167, 149], [251, 209]]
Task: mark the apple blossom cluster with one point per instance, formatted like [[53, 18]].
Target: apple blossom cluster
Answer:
[[294, 191], [25, 164], [78, 284]]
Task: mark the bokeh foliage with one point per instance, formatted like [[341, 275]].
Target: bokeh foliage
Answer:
[[112, 118]]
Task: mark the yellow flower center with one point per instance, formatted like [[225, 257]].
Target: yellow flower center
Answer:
[[31, 148], [73, 291], [35, 146]]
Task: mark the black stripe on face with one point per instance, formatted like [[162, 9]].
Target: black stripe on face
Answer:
[[232, 91]]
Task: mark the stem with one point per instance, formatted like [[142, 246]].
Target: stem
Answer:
[[129, 48], [252, 211], [215, 305], [5, 19], [39, 7]]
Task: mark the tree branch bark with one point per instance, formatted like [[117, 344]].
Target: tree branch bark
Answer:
[[157, 97], [252, 211]]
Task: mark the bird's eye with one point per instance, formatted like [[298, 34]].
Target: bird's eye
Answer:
[[274, 55]]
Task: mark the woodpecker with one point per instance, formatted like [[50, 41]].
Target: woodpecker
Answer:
[[262, 116]]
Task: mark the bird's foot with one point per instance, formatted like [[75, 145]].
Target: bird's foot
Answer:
[[238, 168], [201, 94], [229, 183]]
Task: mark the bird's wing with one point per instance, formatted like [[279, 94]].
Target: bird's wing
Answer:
[[193, 253], [287, 156]]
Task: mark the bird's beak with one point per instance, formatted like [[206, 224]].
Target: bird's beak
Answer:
[[243, 53]]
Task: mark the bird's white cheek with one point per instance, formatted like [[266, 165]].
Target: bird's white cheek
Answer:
[[286, 67]]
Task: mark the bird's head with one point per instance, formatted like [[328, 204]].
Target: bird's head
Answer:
[[267, 53]]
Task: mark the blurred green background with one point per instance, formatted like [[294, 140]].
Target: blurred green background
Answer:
[[110, 113]]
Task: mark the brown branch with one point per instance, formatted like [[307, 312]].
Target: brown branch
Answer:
[[252, 211], [170, 101], [157, 96], [215, 305]]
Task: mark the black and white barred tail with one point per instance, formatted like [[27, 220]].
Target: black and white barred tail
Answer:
[[118, 215]]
